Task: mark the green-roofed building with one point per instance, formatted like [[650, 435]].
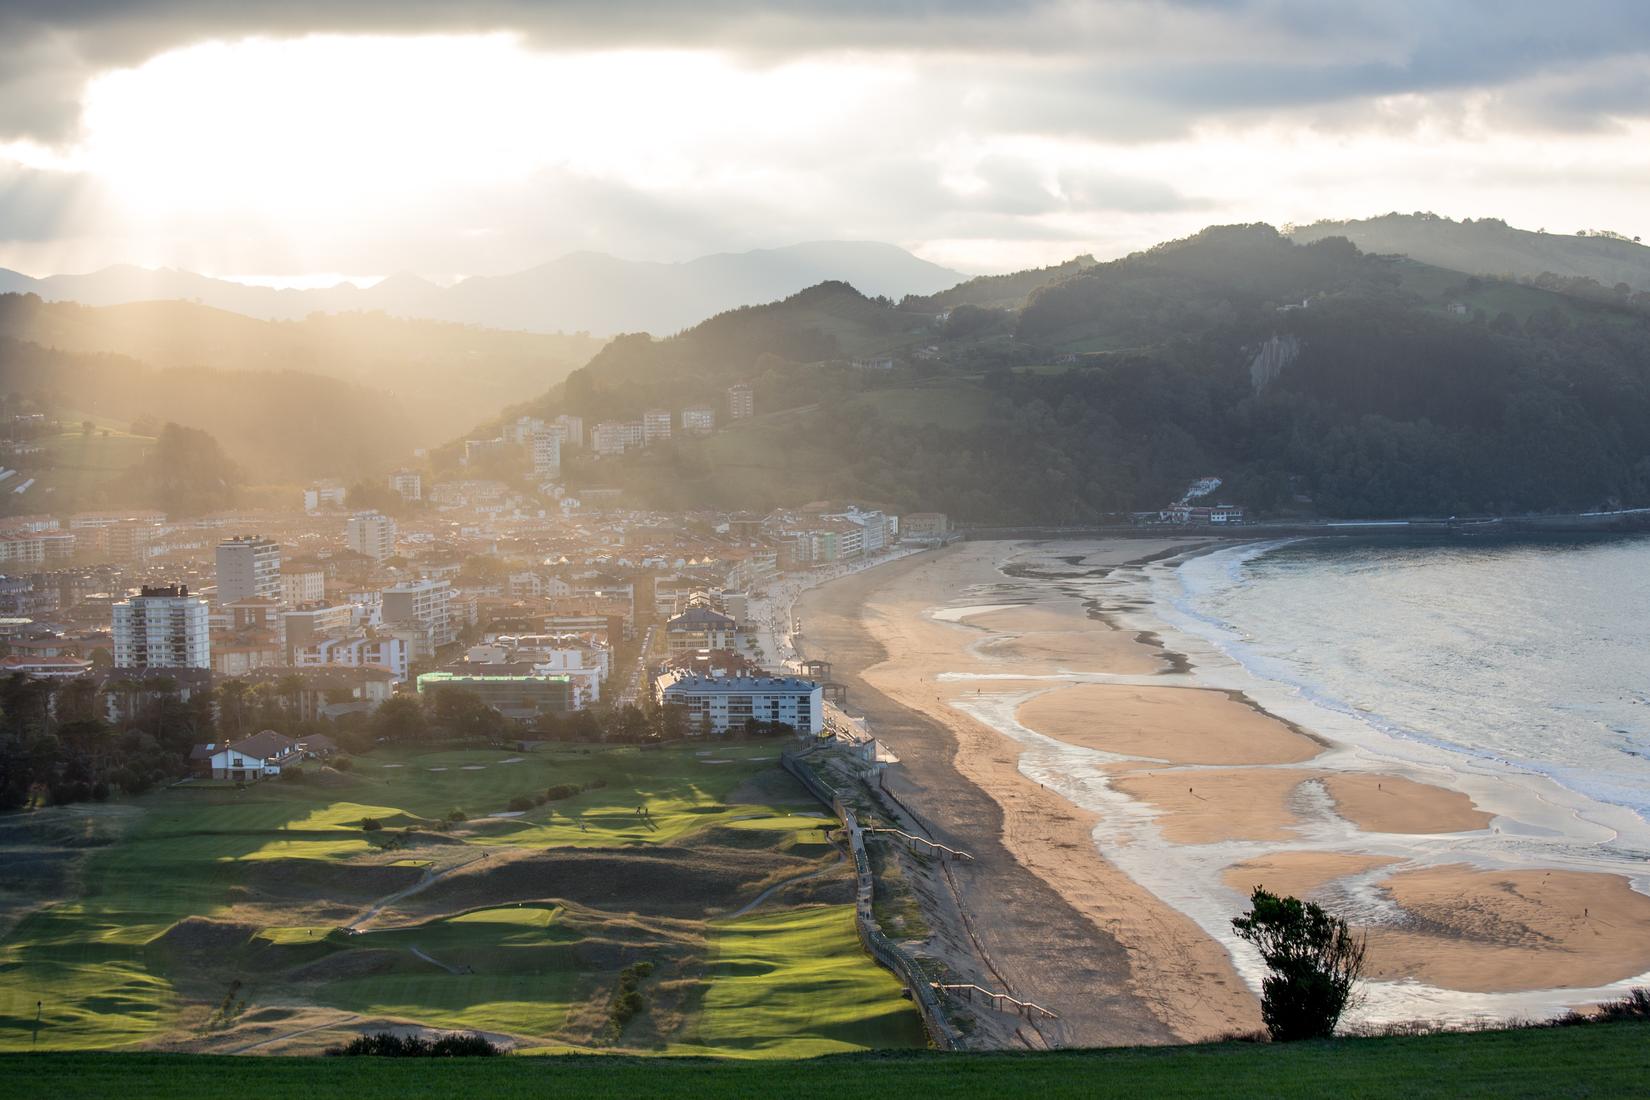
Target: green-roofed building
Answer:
[[522, 696]]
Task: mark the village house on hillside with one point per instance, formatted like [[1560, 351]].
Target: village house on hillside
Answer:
[[261, 756]]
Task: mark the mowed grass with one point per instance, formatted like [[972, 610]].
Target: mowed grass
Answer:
[[1604, 1060], [794, 982], [516, 972], [103, 977]]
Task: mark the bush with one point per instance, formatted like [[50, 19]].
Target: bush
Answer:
[[521, 803], [561, 791], [385, 1044], [293, 773], [455, 816], [342, 763], [371, 824]]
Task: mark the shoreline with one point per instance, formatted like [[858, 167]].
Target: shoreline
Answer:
[[1404, 850]]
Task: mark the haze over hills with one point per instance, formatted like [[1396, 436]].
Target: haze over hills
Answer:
[[579, 292], [1489, 246], [1310, 377]]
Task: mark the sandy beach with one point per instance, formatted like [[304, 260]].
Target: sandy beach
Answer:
[[1121, 823]]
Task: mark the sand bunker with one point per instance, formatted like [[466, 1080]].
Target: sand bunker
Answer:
[[1174, 724], [474, 767], [507, 813]]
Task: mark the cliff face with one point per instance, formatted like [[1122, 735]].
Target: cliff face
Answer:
[[1270, 361]]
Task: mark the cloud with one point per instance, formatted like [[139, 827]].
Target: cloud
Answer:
[[1124, 67]]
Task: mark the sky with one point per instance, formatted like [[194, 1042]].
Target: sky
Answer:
[[302, 141]]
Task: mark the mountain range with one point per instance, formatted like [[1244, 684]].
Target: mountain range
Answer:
[[579, 292]]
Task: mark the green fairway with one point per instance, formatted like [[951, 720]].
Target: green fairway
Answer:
[[793, 982], [1597, 1061], [276, 869]]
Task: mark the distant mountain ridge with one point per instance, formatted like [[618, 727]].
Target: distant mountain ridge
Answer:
[[579, 292], [1489, 246]]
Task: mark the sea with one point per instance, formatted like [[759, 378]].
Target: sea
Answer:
[[1534, 654]]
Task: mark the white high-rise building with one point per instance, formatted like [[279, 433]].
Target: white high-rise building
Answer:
[[574, 427], [163, 628], [547, 451], [372, 534], [655, 426], [303, 587], [741, 401], [608, 438], [248, 566], [423, 604], [407, 484], [698, 419]]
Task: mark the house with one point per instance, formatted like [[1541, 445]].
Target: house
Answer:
[[261, 756]]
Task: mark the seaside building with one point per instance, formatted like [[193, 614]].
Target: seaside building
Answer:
[[163, 628], [248, 566], [716, 704], [700, 628]]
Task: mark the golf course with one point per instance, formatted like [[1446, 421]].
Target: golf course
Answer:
[[508, 893]]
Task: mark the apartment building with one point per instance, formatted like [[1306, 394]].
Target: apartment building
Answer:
[[372, 534], [248, 566], [163, 627], [716, 704]]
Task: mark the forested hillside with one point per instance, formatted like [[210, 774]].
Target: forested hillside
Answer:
[[278, 426], [442, 376], [1312, 378]]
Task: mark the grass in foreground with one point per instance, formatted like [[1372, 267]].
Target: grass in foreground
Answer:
[[1594, 1061]]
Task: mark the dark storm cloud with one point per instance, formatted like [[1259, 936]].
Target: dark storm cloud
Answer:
[[1117, 69]]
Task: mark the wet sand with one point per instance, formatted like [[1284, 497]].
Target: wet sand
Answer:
[[1064, 926]]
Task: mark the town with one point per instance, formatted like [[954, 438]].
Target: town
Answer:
[[517, 596]]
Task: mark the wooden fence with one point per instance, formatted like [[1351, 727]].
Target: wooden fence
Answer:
[[881, 948]]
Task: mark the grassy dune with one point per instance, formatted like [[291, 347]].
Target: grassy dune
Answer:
[[214, 905]]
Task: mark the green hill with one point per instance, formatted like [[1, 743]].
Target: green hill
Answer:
[[1310, 377]]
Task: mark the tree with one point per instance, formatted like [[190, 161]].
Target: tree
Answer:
[[399, 718], [1314, 962]]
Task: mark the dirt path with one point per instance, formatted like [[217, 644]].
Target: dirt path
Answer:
[[770, 891], [430, 879], [293, 1034], [1020, 928], [432, 960]]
